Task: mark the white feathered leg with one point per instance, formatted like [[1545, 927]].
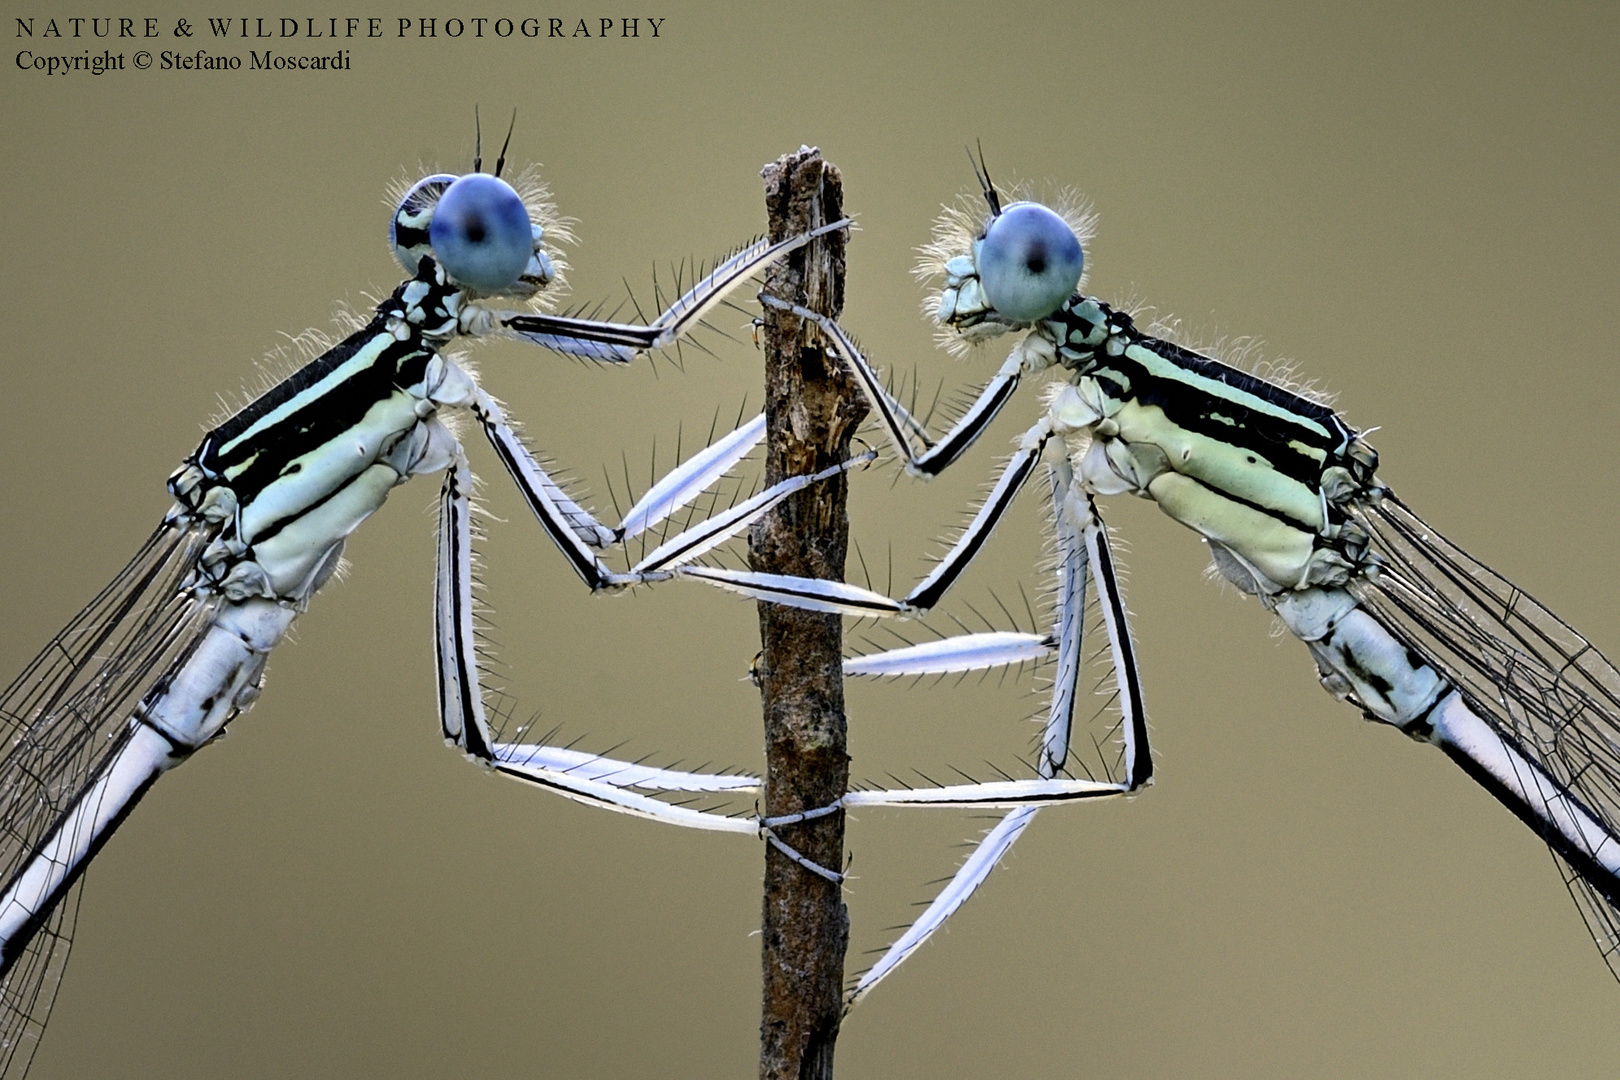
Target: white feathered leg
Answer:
[[1083, 552], [901, 427], [840, 597], [620, 342], [588, 778]]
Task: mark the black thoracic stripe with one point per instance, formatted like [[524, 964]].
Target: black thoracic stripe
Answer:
[[1270, 512], [1075, 323], [271, 529], [1249, 383], [296, 383], [1195, 410], [1579, 859], [402, 363], [1192, 409]]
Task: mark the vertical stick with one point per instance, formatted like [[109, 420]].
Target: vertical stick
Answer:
[[812, 408]]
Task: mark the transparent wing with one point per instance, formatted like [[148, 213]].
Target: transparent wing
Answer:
[[1520, 667], [62, 720]]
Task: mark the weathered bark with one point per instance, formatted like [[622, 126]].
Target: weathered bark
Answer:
[[813, 409]]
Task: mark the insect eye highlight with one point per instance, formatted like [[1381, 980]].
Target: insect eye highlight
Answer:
[[1029, 262], [481, 233]]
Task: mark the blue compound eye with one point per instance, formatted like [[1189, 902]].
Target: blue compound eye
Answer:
[[481, 233], [1029, 262]]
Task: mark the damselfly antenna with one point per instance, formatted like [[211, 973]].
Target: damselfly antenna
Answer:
[[981, 172], [500, 162], [478, 144]]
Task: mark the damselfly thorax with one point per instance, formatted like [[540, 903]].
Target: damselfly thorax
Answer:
[[1265, 473]]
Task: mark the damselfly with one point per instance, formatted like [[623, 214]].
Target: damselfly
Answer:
[[1401, 623], [169, 653]]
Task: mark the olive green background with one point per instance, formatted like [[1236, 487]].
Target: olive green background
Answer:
[[1415, 201]]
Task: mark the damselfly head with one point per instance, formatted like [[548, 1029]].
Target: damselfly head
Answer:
[[1007, 270], [478, 228], [1029, 262]]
